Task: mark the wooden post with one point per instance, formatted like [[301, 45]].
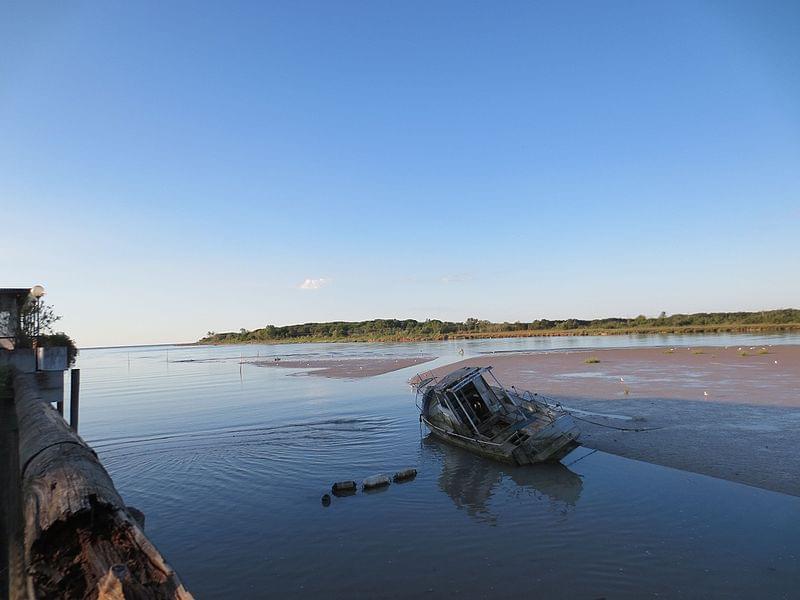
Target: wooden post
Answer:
[[12, 564], [74, 396]]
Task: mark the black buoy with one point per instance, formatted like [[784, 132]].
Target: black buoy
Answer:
[[326, 500], [375, 482], [344, 488], [405, 475]]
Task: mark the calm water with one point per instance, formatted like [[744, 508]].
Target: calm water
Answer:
[[229, 461]]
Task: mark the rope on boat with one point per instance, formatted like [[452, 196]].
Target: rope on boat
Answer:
[[553, 403], [581, 458], [634, 429]]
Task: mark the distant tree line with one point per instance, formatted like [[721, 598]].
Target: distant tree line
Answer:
[[432, 329]]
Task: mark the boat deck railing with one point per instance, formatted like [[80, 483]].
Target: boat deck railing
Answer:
[[422, 379]]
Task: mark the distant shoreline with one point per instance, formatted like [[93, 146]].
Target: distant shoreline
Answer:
[[581, 332]]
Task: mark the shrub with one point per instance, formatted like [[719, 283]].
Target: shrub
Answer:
[[55, 340]]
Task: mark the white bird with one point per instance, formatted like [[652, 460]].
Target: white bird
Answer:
[[776, 362], [705, 394], [622, 380]]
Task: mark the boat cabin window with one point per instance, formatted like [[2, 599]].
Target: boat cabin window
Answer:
[[475, 401], [486, 391], [457, 408]]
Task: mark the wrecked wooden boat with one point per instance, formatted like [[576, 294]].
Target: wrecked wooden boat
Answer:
[[464, 409]]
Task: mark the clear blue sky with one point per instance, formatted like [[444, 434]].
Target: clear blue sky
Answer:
[[169, 168]]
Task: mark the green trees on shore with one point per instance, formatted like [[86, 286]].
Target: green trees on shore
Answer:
[[432, 329]]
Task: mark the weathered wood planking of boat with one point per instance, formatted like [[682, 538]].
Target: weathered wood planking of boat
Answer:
[[464, 409]]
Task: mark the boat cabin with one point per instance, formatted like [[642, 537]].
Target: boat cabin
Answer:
[[466, 394], [464, 408]]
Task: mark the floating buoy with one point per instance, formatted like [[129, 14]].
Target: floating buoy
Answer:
[[375, 481], [342, 488], [326, 500], [404, 475]]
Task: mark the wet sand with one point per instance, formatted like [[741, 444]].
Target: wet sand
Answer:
[[347, 368], [732, 413]]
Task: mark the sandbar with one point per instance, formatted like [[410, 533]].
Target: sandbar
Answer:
[[347, 368]]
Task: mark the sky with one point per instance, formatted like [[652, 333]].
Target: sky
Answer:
[[173, 168]]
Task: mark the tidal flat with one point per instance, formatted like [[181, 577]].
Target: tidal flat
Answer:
[[730, 412]]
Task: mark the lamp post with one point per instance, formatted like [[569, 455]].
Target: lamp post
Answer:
[[37, 292]]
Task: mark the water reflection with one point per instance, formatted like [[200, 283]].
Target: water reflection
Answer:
[[473, 482]]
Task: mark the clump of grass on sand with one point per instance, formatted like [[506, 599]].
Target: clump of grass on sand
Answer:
[[763, 351], [669, 351], [744, 353], [592, 360], [697, 352]]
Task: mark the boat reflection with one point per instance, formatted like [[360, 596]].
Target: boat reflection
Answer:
[[472, 482]]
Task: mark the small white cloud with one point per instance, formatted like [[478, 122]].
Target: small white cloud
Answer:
[[456, 278], [315, 284]]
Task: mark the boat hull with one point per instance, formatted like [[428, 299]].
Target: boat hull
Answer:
[[548, 445]]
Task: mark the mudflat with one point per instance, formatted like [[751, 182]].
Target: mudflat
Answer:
[[347, 368], [732, 413]]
